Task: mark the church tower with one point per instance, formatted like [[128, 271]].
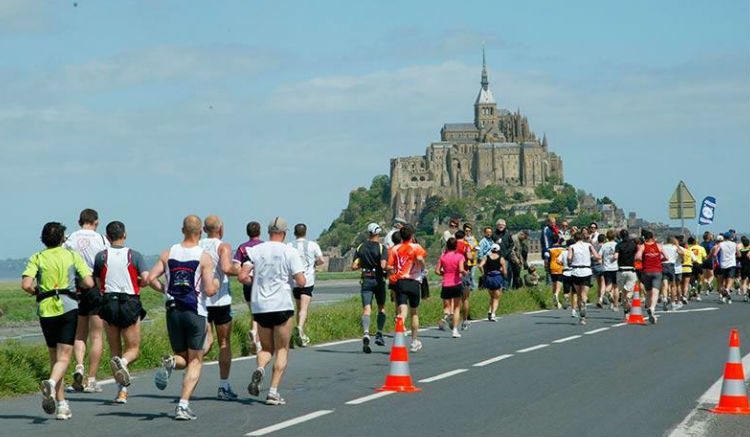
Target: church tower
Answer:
[[485, 109]]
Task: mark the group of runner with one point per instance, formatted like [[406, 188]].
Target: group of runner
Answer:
[[87, 283]]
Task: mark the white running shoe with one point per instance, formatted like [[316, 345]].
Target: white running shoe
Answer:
[[63, 412], [456, 334], [573, 313], [416, 345]]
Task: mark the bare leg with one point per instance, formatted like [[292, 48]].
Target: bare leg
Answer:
[[82, 333], [466, 303], [281, 337], [455, 305], [192, 374], [113, 338], [414, 323], [224, 333], [132, 337], [59, 361], [267, 346], [302, 306], [96, 333]]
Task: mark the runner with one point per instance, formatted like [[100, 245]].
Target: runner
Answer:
[[651, 253], [50, 276], [312, 257], [406, 261], [745, 266], [87, 242], [240, 257], [715, 258], [463, 248], [597, 269], [669, 288], [189, 274], [728, 251], [580, 255], [392, 279], [389, 241], [120, 272], [627, 277], [276, 267], [451, 266], [371, 257], [569, 298], [493, 269], [607, 252], [219, 306], [708, 267], [687, 270], [556, 268], [678, 271]]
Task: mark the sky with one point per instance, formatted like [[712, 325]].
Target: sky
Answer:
[[149, 111]]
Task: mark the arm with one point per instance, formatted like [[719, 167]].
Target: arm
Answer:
[[299, 279], [152, 278], [210, 283], [244, 274], [596, 255], [88, 282], [439, 267], [570, 255], [639, 253], [27, 283], [680, 250], [503, 270], [319, 260], [462, 267], [225, 260]]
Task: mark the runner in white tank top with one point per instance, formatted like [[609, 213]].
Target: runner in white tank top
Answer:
[[580, 255], [312, 257], [219, 306]]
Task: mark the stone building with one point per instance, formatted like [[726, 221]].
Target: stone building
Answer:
[[498, 148]]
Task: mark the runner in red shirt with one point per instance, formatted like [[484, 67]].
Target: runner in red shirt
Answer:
[[405, 263], [651, 254]]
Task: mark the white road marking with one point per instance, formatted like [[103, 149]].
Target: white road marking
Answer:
[[595, 331], [112, 380], [492, 360], [290, 422], [693, 425], [334, 343], [617, 325], [694, 310], [536, 312], [443, 375], [364, 399], [563, 340], [532, 348]]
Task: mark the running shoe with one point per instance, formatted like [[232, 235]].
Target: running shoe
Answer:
[[665, 305], [226, 394], [78, 378], [122, 397], [254, 345], [456, 334], [416, 345], [275, 399], [92, 387], [557, 303], [599, 305], [255, 380], [379, 340], [184, 413], [63, 412], [442, 323], [573, 313], [366, 344], [489, 317], [582, 321], [566, 302], [120, 371], [698, 297], [674, 306], [161, 377], [304, 340], [493, 317], [651, 318], [450, 321], [464, 325], [684, 300], [48, 402]]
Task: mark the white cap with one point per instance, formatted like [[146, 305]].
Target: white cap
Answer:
[[373, 229]]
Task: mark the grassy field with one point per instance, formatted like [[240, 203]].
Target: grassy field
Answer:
[[23, 365]]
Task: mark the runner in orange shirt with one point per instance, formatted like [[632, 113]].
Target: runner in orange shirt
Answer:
[[405, 264]]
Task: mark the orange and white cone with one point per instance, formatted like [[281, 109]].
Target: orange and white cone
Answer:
[[733, 398], [399, 377], [635, 317]]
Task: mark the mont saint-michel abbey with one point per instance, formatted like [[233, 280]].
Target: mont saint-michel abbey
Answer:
[[497, 148]]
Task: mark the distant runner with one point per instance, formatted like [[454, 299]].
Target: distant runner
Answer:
[[371, 257], [607, 252], [580, 255], [651, 253], [627, 277], [728, 251], [699, 258], [51, 276], [240, 257], [451, 266], [556, 268], [312, 257], [406, 261], [493, 269]]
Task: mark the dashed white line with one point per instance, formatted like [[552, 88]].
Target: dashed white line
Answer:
[[367, 398], [536, 312], [532, 348], [492, 360], [617, 325], [563, 340], [596, 331], [334, 343], [694, 310], [443, 375], [288, 423]]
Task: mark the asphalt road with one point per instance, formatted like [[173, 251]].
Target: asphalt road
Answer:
[[528, 374]]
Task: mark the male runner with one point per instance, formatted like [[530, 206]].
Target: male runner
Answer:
[[87, 242], [699, 257], [580, 255], [609, 262], [312, 257], [728, 251], [120, 272], [189, 274], [219, 306], [240, 257], [276, 266], [406, 261], [651, 254], [708, 265], [371, 257], [627, 277], [556, 268], [398, 223]]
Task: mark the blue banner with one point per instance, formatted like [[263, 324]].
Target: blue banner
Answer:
[[708, 207]]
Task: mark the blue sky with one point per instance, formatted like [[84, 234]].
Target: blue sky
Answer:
[[148, 111]]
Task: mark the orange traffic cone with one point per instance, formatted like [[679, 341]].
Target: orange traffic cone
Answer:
[[733, 398], [399, 378], [635, 317]]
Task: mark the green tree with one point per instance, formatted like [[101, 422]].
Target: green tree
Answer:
[[433, 206], [522, 221], [545, 191]]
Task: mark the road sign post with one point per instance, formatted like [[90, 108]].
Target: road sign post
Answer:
[[682, 205]]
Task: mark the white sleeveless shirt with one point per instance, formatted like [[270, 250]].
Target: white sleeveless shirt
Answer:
[[184, 280], [223, 296], [581, 262]]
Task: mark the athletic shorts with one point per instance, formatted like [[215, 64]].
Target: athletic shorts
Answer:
[[408, 291], [567, 284], [678, 277], [729, 272], [298, 292], [89, 302], [467, 281], [697, 271], [186, 329], [494, 281], [452, 292], [626, 280], [651, 281], [121, 309], [556, 277], [745, 273], [707, 264], [219, 315], [272, 319], [581, 280], [59, 329], [667, 271], [610, 277], [372, 287], [247, 292], [597, 270]]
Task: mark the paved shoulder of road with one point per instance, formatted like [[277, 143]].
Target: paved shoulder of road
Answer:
[[528, 374]]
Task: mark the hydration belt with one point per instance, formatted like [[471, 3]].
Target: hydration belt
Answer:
[[580, 267], [627, 269], [45, 294]]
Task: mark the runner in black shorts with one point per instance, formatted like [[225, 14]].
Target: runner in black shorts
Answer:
[[406, 262], [240, 256], [371, 257]]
